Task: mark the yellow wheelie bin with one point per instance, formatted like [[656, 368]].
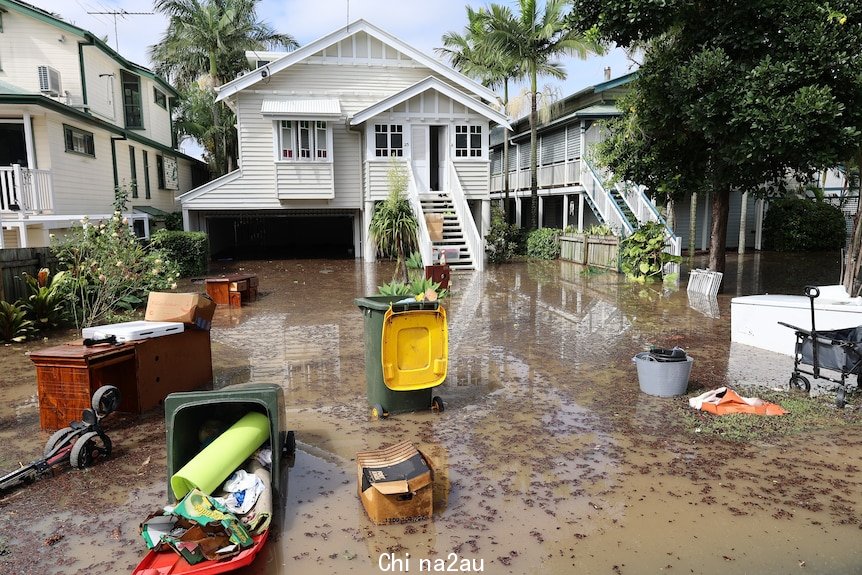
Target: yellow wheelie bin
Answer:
[[406, 353]]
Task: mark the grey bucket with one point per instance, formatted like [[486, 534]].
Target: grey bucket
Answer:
[[662, 378]]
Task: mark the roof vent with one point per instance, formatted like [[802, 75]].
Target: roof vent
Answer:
[[49, 81]]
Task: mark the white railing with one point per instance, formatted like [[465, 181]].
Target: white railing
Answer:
[[475, 243], [424, 238], [549, 176], [646, 211], [605, 204], [25, 191], [640, 204]]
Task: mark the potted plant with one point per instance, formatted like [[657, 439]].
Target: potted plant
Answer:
[[393, 225]]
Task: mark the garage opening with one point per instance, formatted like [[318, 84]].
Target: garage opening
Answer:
[[281, 236]]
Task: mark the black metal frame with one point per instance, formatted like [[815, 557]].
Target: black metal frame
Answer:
[[851, 350]]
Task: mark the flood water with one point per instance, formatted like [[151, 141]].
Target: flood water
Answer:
[[548, 458]]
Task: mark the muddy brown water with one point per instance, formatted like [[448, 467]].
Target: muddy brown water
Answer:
[[550, 460]]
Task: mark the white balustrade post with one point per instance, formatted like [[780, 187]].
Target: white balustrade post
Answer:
[[368, 248]]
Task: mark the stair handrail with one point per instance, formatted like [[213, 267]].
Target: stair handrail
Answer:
[[606, 204], [423, 238], [652, 215], [475, 242]]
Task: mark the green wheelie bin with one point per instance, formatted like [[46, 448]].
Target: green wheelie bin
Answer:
[[188, 414], [406, 353]]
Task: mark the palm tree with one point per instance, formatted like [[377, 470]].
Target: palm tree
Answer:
[[205, 43], [475, 55], [535, 38]]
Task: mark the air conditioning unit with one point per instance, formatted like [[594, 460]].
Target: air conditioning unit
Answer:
[[49, 81]]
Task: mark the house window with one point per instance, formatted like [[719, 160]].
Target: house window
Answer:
[[132, 101], [133, 170], [320, 138], [304, 140], [79, 141], [160, 98], [388, 140], [160, 171], [468, 141], [146, 174]]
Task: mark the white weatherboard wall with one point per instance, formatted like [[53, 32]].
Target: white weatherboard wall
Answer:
[[26, 43]]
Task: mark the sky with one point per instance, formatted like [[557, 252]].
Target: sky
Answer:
[[419, 23]]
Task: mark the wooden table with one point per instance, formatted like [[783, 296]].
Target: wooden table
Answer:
[[144, 371], [232, 289]]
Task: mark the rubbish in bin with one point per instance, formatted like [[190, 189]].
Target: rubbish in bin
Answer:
[[395, 484], [663, 372], [220, 458], [202, 529], [190, 418], [406, 353], [723, 401], [81, 444]]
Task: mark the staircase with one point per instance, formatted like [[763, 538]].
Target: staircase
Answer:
[[623, 205], [454, 242]]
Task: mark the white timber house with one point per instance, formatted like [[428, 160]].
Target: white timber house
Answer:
[[77, 120], [321, 128]]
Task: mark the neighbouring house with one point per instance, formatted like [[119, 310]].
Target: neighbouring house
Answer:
[[320, 129], [573, 191], [77, 120]]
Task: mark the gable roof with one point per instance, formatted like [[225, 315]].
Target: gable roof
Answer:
[[291, 58], [430, 83], [91, 39]]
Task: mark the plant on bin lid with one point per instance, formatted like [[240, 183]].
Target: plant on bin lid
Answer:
[[423, 289]]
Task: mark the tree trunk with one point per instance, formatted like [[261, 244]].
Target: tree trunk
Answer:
[[534, 151], [853, 257], [718, 237], [505, 155]]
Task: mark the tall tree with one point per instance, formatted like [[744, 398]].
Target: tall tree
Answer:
[[535, 37], [475, 54], [733, 96], [205, 44]]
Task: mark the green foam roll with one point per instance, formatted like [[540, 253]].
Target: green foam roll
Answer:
[[209, 468]]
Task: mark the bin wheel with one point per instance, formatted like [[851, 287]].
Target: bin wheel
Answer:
[[377, 412], [290, 444], [89, 449], [800, 383], [841, 398], [437, 405], [106, 400], [58, 437]]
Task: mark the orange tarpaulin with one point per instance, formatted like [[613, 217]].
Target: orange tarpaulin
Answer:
[[724, 400]]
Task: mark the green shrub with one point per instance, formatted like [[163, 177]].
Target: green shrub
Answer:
[[544, 244], [801, 224], [108, 270], [14, 325], [46, 304], [501, 241], [190, 250], [642, 255], [174, 222]]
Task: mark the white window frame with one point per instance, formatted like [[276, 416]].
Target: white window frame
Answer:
[[389, 150], [287, 140], [469, 151]]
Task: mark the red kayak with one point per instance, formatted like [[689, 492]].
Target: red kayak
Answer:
[[171, 563]]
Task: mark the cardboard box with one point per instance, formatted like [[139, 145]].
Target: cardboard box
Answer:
[[395, 484], [435, 226], [190, 308]]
